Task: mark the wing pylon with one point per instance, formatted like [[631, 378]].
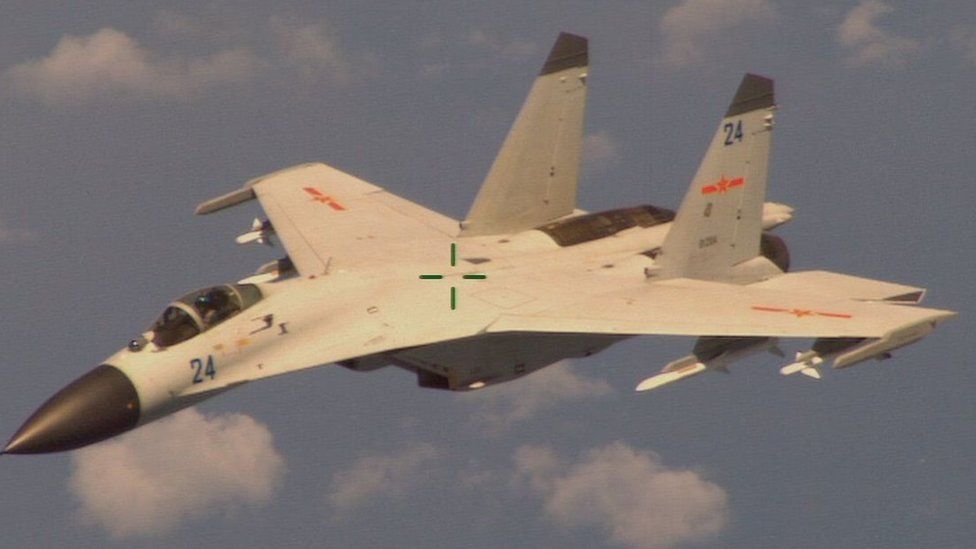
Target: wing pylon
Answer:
[[711, 353]]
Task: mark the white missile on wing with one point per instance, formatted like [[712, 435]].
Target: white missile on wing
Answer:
[[679, 369], [805, 363], [260, 231], [711, 353], [271, 272], [775, 214], [846, 352]]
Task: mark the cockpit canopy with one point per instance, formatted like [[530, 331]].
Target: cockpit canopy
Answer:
[[201, 310]]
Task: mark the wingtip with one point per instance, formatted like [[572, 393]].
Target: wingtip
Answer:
[[228, 200], [570, 50], [755, 92]]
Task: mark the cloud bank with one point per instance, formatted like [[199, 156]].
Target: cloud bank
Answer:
[[693, 26], [181, 468], [868, 43], [379, 477], [311, 48], [109, 64], [495, 44], [498, 408], [629, 494]]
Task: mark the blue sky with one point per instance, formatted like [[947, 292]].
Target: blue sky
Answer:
[[117, 120]]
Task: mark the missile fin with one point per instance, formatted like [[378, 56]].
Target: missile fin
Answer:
[[811, 372]]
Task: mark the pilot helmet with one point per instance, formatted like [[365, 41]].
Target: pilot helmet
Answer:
[[212, 299]]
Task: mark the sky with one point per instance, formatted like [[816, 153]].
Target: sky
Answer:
[[118, 118]]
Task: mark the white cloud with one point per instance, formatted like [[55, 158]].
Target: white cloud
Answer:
[[692, 26], [504, 405], [599, 150], [629, 494], [311, 48], [379, 477], [870, 44], [111, 65], [495, 44], [964, 39], [184, 467]]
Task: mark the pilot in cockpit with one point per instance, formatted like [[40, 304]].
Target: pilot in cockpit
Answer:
[[214, 306], [199, 311]]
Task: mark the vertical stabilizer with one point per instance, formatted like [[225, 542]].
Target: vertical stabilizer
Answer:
[[719, 223], [535, 175]]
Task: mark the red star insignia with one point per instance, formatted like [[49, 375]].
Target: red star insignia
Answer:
[[723, 185]]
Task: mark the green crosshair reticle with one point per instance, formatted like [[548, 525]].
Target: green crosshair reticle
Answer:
[[453, 264]]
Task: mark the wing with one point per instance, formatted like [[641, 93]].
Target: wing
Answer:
[[327, 219], [853, 319], [699, 308]]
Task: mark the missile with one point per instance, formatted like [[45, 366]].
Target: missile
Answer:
[[271, 271], [824, 349], [847, 352], [260, 231], [775, 214], [805, 363], [710, 353], [679, 369]]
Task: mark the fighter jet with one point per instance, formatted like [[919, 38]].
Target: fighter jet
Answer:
[[526, 279]]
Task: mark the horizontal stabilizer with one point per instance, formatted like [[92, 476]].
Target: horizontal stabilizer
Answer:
[[840, 285]]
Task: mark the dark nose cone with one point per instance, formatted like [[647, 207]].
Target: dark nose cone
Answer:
[[96, 406]]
